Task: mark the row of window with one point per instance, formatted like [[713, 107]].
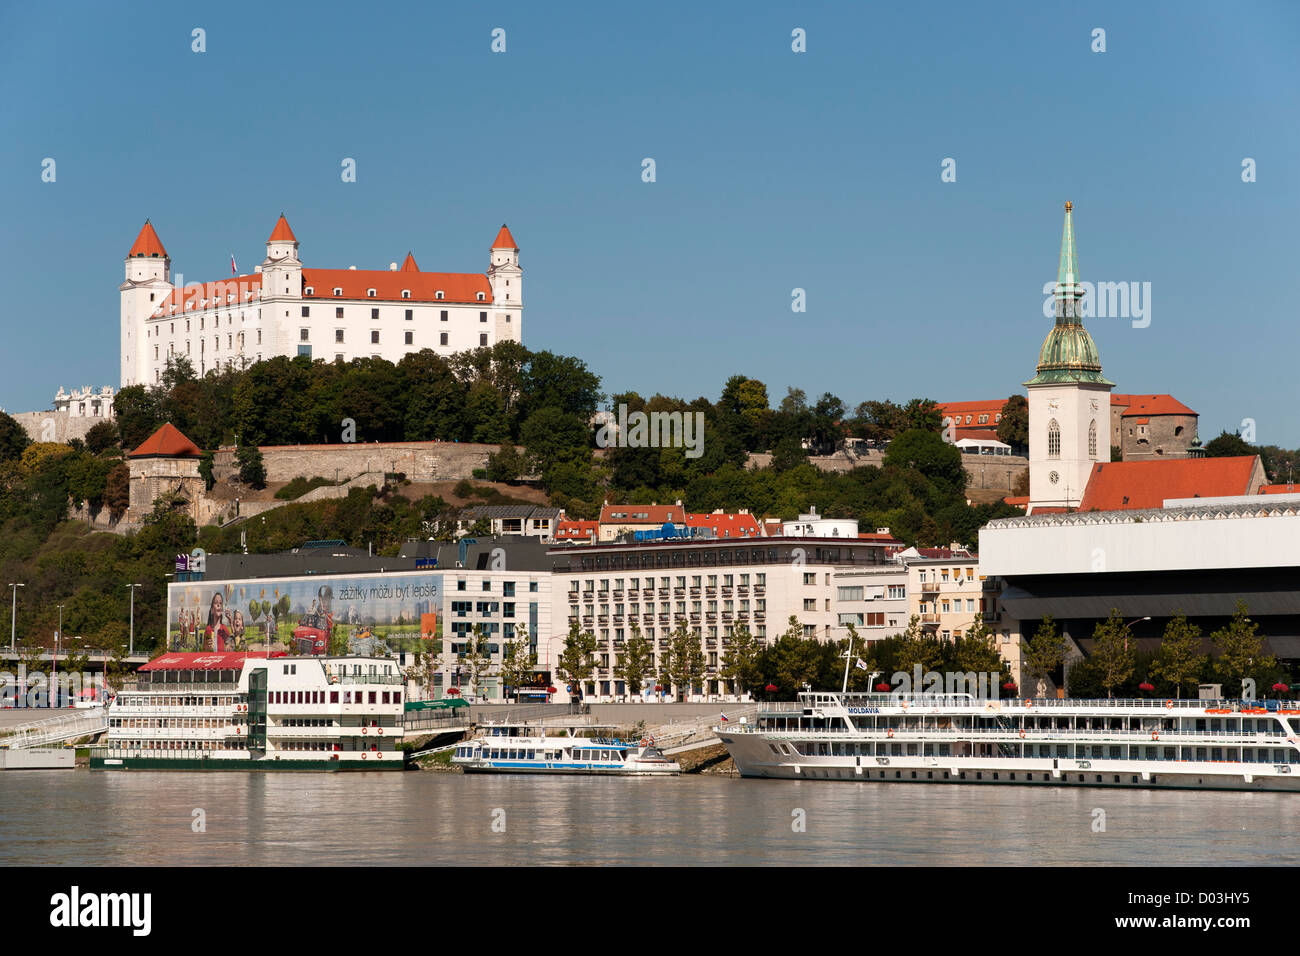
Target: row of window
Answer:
[[371, 294], [318, 697], [728, 580], [374, 314], [1054, 439], [728, 607], [507, 587]]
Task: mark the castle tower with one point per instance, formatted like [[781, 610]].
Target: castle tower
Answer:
[[1069, 399], [506, 280], [147, 284], [281, 293]]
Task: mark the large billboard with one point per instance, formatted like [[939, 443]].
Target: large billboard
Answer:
[[317, 614]]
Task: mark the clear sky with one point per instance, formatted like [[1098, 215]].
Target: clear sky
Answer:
[[775, 170]]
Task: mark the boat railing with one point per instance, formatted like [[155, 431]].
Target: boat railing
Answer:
[[966, 701], [1031, 734]]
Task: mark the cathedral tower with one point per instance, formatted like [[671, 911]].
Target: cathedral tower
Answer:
[[1069, 399]]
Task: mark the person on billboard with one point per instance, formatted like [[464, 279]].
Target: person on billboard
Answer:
[[216, 633], [237, 630]]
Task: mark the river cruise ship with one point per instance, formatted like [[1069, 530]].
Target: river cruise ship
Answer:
[[520, 749], [223, 711], [1188, 744]]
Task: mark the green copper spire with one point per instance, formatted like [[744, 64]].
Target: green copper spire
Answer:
[[1068, 353]]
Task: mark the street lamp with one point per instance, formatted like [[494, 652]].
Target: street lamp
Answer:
[[54, 662], [13, 618], [1127, 632], [131, 648]]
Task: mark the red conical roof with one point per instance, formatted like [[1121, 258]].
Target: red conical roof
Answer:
[[167, 442], [147, 243], [504, 239], [408, 264], [282, 232]]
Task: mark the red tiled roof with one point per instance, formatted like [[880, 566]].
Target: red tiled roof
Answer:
[[408, 264], [167, 442], [504, 240], [1017, 501], [642, 514], [147, 243], [1278, 490], [877, 536], [206, 295], [576, 529], [1155, 405], [282, 232], [196, 661], [423, 286], [979, 434], [725, 525], [1125, 485], [958, 411]]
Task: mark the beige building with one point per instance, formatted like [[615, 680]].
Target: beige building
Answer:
[[166, 463], [709, 584]]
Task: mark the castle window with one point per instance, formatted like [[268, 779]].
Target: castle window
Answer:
[[444, 315], [310, 290], [1092, 440], [306, 311], [410, 314], [481, 297], [442, 339], [303, 335], [438, 294], [374, 313], [482, 340], [151, 295], [374, 337], [338, 291], [338, 335], [1053, 439], [338, 356], [406, 293], [410, 338], [1178, 431], [370, 293], [482, 316], [338, 312]]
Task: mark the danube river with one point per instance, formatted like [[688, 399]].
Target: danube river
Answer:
[[419, 818]]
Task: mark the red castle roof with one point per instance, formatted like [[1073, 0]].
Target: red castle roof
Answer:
[[147, 243], [408, 264], [504, 240], [282, 232], [167, 442]]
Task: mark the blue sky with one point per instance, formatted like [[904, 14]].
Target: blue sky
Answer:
[[775, 171]]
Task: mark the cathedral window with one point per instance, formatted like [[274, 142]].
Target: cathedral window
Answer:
[[1053, 439], [1092, 440]]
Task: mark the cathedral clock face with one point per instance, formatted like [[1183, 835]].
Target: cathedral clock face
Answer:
[[1053, 477]]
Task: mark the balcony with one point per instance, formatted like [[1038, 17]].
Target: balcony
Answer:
[[929, 587], [760, 590], [618, 595]]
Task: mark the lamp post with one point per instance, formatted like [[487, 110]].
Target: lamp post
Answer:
[[1128, 633], [54, 662], [131, 648], [13, 618]]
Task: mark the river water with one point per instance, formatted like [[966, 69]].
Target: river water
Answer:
[[418, 818]]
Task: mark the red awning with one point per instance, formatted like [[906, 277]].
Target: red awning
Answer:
[[196, 661]]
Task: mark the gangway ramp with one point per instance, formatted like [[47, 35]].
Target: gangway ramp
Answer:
[[53, 730]]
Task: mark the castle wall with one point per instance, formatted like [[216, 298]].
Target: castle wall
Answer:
[[419, 461]]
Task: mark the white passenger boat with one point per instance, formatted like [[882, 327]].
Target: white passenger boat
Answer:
[[1189, 744], [520, 749]]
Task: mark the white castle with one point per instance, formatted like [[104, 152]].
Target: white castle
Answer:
[[285, 308], [85, 402]]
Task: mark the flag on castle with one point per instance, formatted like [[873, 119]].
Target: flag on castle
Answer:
[[233, 270]]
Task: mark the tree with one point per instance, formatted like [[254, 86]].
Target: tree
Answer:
[[206, 461], [977, 650], [1013, 426], [101, 437], [636, 663], [506, 464], [1021, 485], [13, 438], [252, 470], [517, 661], [928, 453], [1042, 653], [683, 666], [1229, 445], [117, 490], [740, 659], [475, 657], [1240, 650], [1179, 660], [1114, 659], [575, 664], [922, 414], [552, 436]]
